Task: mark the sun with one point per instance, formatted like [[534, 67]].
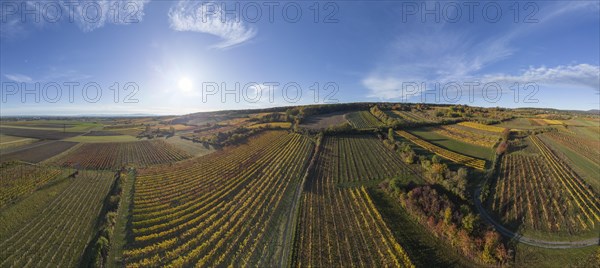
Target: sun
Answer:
[[185, 84]]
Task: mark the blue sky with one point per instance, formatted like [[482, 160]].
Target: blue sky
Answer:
[[178, 57]]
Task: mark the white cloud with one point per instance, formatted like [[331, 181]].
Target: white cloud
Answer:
[[581, 75], [51, 74], [20, 78], [441, 54], [92, 15], [206, 17], [386, 88], [88, 15]]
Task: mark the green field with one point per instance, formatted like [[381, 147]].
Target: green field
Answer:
[[454, 145], [192, 148], [587, 169], [517, 123], [7, 141], [529, 256]]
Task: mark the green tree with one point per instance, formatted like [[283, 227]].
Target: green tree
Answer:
[[469, 222], [396, 185]]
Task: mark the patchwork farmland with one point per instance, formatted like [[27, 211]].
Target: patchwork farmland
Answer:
[[369, 185]]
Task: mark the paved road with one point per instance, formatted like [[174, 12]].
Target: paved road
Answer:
[[528, 240]]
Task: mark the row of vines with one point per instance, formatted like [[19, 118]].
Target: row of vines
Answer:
[[115, 155], [340, 227], [218, 210]]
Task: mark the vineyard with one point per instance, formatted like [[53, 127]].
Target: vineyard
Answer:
[[58, 235], [19, 179], [482, 127], [586, 200], [359, 158], [457, 133], [348, 186], [222, 209], [543, 194], [450, 155], [363, 120], [117, 154], [411, 117], [342, 228]]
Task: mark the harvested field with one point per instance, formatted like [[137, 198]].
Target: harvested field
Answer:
[[101, 133], [324, 120], [37, 133], [37, 152]]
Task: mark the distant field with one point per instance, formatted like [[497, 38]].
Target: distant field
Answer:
[[517, 123], [58, 234], [468, 135], [56, 125], [363, 120], [105, 138], [126, 131], [190, 147], [37, 133], [411, 116], [7, 139], [112, 155], [592, 133], [101, 133], [324, 120], [12, 141], [272, 125], [583, 122], [37, 152], [482, 127]]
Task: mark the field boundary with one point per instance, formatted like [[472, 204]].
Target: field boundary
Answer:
[[295, 208]]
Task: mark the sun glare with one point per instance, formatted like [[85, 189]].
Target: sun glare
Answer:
[[185, 84]]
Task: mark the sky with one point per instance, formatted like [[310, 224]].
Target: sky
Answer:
[[179, 57]]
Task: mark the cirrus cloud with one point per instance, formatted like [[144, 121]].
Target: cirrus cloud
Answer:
[[207, 17], [583, 76]]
